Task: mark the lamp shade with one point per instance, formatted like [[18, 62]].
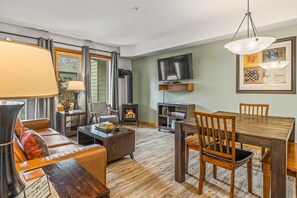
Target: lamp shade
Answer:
[[249, 45], [26, 71], [76, 85]]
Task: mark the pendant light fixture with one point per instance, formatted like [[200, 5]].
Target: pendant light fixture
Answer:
[[249, 45]]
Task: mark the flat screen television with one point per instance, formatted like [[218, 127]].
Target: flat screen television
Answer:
[[175, 68]]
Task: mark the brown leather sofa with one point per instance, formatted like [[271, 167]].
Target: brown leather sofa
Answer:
[[92, 158]]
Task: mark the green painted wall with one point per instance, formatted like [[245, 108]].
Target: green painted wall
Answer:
[[214, 79]]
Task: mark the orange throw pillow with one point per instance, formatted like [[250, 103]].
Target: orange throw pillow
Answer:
[[18, 127], [34, 145]]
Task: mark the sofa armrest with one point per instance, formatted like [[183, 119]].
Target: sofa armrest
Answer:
[[93, 158], [37, 124]]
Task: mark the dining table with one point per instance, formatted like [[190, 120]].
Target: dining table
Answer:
[[271, 132]]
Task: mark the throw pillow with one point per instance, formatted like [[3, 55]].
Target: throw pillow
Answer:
[[18, 127], [34, 145]]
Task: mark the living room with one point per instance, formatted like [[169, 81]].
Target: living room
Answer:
[[121, 120]]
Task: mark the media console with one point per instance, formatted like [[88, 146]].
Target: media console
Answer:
[[169, 113]]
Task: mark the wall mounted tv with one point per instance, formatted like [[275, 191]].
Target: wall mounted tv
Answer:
[[175, 68]]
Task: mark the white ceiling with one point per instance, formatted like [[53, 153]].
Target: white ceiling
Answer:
[[156, 25]]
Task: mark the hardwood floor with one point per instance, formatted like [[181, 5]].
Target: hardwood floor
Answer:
[[151, 173]]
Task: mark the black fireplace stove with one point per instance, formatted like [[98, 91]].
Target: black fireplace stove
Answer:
[[129, 112]]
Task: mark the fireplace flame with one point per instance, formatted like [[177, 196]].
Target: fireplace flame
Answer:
[[130, 113]]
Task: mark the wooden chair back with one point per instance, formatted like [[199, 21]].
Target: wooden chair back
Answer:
[[254, 109], [214, 129]]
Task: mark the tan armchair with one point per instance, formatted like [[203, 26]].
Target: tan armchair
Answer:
[[102, 113]]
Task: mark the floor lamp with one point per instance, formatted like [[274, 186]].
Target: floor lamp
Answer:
[[26, 71], [76, 86]]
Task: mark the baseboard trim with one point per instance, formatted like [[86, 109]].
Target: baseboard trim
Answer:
[[152, 124]]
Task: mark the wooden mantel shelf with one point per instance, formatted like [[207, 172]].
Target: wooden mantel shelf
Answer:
[[177, 87]]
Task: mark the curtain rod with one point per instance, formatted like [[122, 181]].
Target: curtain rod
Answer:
[[62, 43], [30, 37]]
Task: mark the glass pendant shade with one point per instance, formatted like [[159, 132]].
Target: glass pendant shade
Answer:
[[274, 64], [249, 45]]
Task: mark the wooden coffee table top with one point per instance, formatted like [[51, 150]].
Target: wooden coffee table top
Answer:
[[70, 179], [95, 133]]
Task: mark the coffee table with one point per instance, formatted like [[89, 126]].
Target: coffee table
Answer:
[[118, 144]]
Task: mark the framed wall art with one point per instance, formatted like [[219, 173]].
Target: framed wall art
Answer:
[[272, 70]]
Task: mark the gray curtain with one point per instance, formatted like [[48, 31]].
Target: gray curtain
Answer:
[[86, 98], [46, 107], [114, 82]]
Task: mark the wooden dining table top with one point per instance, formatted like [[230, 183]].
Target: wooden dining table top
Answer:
[[270, 127], [271, 132]]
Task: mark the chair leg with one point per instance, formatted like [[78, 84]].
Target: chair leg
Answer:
[[241, 146], [201, 177], [187, 159], [214, 171], [262, 154], [296, 184], [91, 119], [262, 151], [232, 183], [250, 175], [266, 180]]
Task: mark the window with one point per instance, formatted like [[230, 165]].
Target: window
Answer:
[[68, 67], [23, 113], [99, 78]]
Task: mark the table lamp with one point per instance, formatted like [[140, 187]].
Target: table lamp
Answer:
[[76, 86], [26, 71]]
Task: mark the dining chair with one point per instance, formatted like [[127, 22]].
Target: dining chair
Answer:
[[192, 143], [216, 138], [254, 109], [291, 167]]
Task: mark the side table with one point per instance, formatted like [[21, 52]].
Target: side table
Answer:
[[63, 118], [70, 179]]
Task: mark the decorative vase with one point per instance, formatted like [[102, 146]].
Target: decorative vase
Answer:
[[66, 108]]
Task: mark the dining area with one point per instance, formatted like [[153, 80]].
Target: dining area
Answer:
[[222, 139]]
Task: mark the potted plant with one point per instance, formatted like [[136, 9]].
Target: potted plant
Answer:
[[66, 104], [65, 96]]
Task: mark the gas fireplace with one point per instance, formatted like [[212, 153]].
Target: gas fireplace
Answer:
[[129, 112]]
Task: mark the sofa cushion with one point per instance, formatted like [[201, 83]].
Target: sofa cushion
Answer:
[[18, 127], [64, 148], [47, 131], [56, 140], [108, 118], [33, 144]]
